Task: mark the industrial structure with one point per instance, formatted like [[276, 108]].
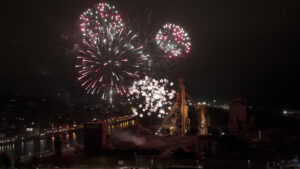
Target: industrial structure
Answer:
[[179, 118], [188, 117]]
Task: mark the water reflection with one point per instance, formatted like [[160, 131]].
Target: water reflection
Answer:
[[67, 137], [52, 138], [42, 145], [74, 136], [37, 146], [28, 147]]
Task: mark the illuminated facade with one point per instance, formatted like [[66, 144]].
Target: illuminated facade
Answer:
[[179, 122], [202, 129]]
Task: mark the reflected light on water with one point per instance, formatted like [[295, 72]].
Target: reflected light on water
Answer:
[[74, 136], [35, 146], [42, 145], [29, 146], [67, 137]]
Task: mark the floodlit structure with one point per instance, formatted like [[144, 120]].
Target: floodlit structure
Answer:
[[202, 129], [181, 123], [180, 109]]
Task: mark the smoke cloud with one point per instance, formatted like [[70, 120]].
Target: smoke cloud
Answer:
[[128, 137]]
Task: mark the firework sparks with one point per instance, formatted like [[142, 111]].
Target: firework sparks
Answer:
[[155, 96], [111, 63], [97, 18], [173, 40]]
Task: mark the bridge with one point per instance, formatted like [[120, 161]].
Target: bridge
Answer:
[[121, 122], [180, 121]]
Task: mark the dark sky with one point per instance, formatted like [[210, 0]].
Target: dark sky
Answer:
[[239, 48]]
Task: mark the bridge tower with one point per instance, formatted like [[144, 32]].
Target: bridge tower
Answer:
[[95, 137], [182, 110], [180, 125], [202, 129]]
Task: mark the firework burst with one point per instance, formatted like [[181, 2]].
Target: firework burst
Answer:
[[97, 18], [151, 96], [111, 63], [173, 40]]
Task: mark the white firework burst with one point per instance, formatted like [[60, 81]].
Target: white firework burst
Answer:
[[152, 96]]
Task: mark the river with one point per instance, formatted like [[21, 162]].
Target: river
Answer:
[[40, 145]]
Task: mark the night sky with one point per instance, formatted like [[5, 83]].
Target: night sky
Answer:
[[239, 48]]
